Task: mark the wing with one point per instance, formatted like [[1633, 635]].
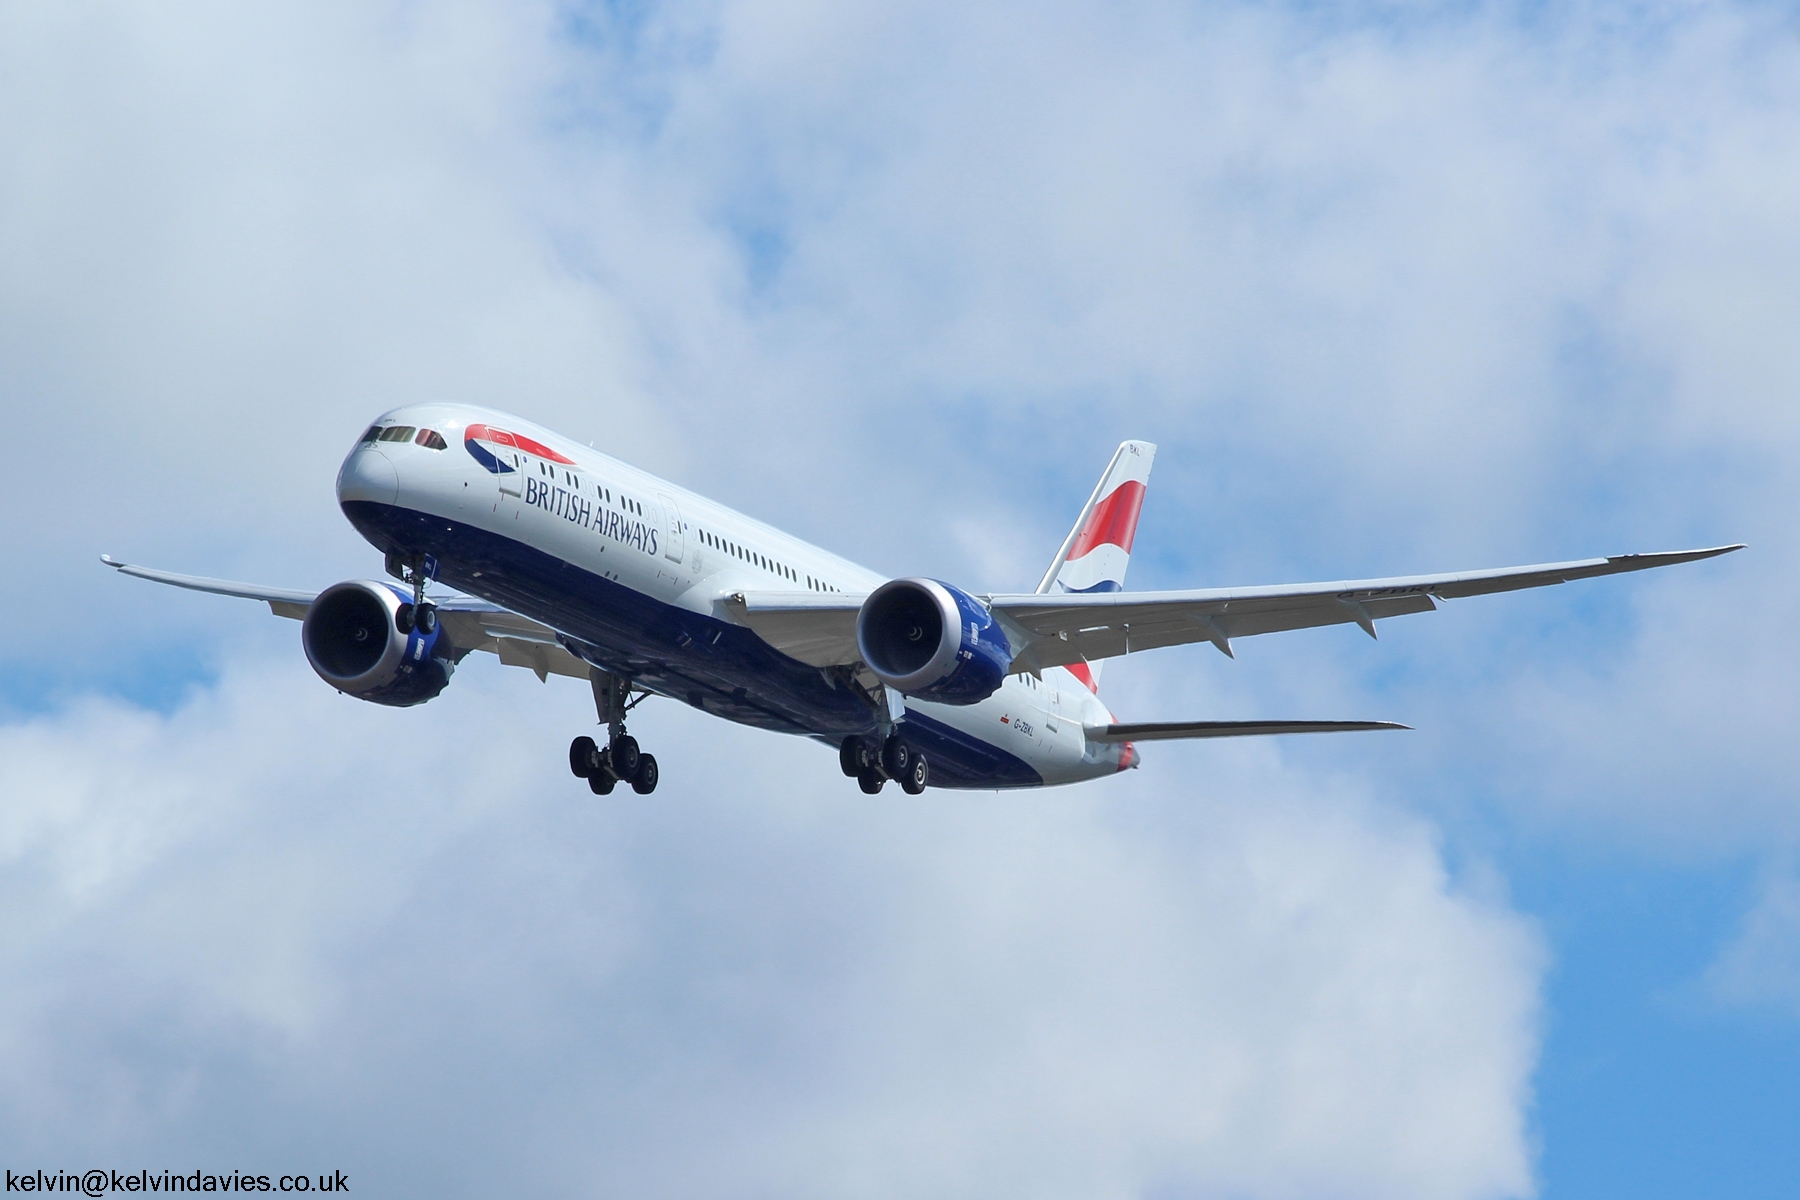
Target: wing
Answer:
[[1054, 630], [283, 602], [818, 628], [472, 624], [1160, 731]]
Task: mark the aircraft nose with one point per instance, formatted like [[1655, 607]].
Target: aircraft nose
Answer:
[[368, 475]]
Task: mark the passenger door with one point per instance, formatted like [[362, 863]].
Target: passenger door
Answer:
[[512, 463], [673, 542]]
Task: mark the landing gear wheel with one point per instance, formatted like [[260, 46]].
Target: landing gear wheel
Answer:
[[870, 781], [425, 618], [624, 751], [403, 618], [896, 757], [584, 757], [913, 782], [850, 757], [601, 783], [643, 782]]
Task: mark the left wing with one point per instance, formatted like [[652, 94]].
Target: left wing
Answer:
[[1060, 629], [818, 628], [1051, 629], [472, 624]]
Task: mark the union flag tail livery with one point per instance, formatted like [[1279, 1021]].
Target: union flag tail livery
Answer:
[[1094, 556], [568, 561]]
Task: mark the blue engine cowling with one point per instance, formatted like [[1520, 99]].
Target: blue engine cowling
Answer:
[[352, 639], [927, 639]]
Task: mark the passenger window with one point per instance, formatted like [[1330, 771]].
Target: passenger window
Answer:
[[431, 439], [397, 433]]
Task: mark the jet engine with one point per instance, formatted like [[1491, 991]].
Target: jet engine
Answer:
[[927, 639], [362, 638]]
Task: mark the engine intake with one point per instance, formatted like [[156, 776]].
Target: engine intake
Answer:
[[927, 639], [353, 638]]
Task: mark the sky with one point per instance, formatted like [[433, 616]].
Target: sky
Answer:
[[1395, 287]]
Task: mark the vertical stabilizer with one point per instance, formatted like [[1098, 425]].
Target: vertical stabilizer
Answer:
[[1094, 556]]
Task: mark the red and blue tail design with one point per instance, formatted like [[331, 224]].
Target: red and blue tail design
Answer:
[[1094, 556]]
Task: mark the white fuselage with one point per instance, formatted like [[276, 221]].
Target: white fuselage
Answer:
[[675, 548]]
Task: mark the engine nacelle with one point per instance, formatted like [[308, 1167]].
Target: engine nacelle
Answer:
[[353, 640], [927, 639]]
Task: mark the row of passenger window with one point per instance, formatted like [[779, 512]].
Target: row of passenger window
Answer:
[[726, 545], [431, 439], [626, 503]]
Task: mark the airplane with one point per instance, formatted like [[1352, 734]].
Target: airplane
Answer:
[[568, 561]]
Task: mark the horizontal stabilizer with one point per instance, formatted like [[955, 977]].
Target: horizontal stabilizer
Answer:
[[1156, 731]]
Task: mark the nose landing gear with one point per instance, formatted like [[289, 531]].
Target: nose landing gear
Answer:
[[620, 760], [417, 570]]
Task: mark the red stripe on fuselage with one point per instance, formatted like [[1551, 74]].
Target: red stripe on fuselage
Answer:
[[1080, 671], [489, 434], [1113, 521]]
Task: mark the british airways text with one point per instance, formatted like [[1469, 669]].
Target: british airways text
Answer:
[[580, 511]]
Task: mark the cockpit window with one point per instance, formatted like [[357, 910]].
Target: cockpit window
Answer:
[[397, 433], [374, 432], [431, 439]]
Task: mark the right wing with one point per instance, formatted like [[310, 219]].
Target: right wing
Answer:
[[472, 624], [283, 602]]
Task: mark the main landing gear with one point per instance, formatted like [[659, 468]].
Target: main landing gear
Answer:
[[620, 760], [872, 763]]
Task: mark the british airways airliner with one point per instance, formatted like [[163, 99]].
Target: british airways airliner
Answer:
[[568, 561]]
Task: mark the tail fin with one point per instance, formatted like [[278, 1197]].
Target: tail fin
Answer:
[[1094, 556]]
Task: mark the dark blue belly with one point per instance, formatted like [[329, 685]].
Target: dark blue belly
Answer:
[[713, 665]]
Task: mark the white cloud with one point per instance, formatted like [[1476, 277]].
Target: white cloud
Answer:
[[408, 941], [1761, 965]]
